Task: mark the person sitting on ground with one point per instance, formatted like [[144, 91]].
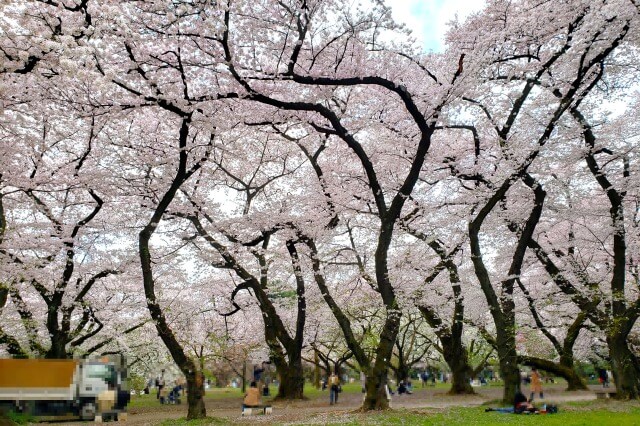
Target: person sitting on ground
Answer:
[[520, 406], [403, 388], [252, 397]]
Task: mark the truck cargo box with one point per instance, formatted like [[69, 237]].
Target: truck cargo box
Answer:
[[37, 379]]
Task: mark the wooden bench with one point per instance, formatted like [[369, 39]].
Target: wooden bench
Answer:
[[258, 409], [605, 394], [114, 416]]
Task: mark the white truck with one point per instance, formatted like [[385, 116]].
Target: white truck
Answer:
[[90, 389]]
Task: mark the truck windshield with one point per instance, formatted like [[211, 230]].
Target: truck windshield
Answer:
[[101, 371]]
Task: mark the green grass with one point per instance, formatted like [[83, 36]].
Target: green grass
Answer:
[[309, 391], [457, 416], [19, 418], [597, 412], [477, 416]]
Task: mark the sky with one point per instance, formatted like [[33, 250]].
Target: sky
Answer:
[[428, 18]]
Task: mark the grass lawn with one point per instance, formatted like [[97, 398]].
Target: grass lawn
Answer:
[[616, 415], [588, 413], [477, 416]]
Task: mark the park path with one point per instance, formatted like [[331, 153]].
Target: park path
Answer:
[[318, 410]]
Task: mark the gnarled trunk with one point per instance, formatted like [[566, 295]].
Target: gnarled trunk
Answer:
[[316, 370], [506, 347], [455, 354], [58, 347], [291, 381], [402, 371], [574, 381], [195, 382], [195, 394], [376, 393], [376, 382], [624, 367]]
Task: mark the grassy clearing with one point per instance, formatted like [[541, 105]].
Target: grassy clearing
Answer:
[[593, 412], [310, 392], [477, 416], [614, 414]]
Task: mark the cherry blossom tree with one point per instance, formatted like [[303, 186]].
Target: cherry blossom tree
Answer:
[[57, 262], [572, 50], [305, 161]]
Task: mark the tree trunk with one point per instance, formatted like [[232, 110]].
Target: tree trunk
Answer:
[[508, 366], [376, 381], [574, 381], [244, 376], [458, 361], [316, 370], [624, 368], [58, 347], [195, 395], [402, 372], [291, 381], [376, 394], [195, 379]]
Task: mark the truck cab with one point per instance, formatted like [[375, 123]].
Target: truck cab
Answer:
[[101, 388], [97, 377]]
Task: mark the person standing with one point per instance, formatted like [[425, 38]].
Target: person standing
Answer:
[[257, 372], [604, 377], [536, 384], [334, 388], [160, 383], [257, 377]]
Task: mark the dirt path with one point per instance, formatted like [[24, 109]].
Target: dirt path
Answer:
[[311, 411]]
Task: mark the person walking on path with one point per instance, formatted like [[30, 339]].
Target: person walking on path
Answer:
[[536, 384], [423, 378], [334, 388]]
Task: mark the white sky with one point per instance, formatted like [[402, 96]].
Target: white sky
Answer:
[[428, 18]]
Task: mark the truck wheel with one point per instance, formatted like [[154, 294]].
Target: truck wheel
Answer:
[[88, 411]]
